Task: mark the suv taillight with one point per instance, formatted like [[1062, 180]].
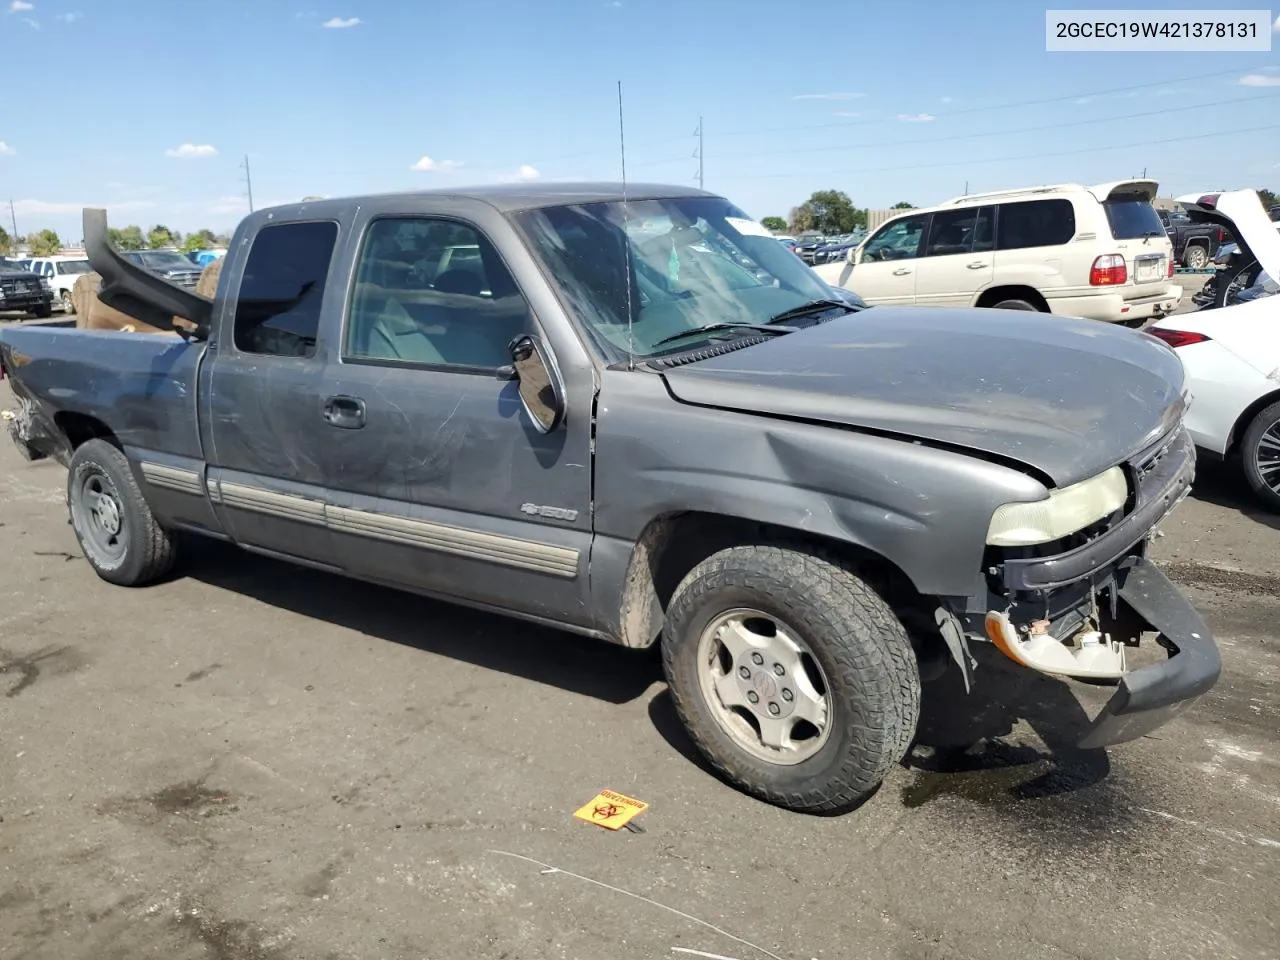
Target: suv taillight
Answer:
[[1171, 267], [1108, 270], [1177, 338]]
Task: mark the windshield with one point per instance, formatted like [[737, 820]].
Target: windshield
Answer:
[[1131, 219], [164, 260], [693, 261]]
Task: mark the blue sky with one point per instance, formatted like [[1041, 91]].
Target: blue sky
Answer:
[[886, 101]]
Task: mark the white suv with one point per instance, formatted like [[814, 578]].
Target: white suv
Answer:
[[1097, 252], [61, 272]]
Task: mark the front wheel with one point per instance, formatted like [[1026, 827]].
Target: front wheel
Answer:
[[68, 307], [118, 534], [793, 677], [1260, 456], [44, 311]]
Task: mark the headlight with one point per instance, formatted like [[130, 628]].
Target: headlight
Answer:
[[1063, 512]]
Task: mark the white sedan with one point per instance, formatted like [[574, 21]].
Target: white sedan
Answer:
[[1232, 354]]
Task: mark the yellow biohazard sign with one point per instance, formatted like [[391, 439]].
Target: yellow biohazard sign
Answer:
[[611, 810]]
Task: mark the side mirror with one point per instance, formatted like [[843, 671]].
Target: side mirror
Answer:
[[541, 392], [852, 254]]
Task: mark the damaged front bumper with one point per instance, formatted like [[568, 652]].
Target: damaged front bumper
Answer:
[[1067, 587]]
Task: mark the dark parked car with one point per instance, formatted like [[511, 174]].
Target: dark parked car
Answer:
[[169, 264], [629, 435], [21, 291]]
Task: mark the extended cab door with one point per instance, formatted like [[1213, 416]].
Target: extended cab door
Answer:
[[445, 486], [958, 262], [261, 417], [886, 269]]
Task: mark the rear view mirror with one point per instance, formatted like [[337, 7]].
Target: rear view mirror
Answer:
[[541, 393], [851, 256]]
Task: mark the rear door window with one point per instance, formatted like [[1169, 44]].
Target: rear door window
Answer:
[[1035, 223], [1133, 219], [278, 307]]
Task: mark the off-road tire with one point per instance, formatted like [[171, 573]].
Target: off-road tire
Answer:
[[859, 643], [43, 312], [1263, 421], [1016, 305], [149, 553]]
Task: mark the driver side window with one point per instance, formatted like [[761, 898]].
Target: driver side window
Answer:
[[898, 240]]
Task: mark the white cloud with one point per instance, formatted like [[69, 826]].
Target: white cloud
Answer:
[[33, 24], [1259, 80], [945, 99], [426, 164], [524, 174], [828, 96], [915, 117], [337, 23], [846, 113], [20, 5], [190, 150], [6, 150], [68, 17]]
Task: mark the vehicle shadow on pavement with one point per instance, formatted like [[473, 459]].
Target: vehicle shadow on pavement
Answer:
[[1222, 485], [577, 664], [1012, 737]]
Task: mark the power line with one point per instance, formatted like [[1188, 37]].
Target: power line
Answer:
[[1025, 156], [941, 116], [976, 136]]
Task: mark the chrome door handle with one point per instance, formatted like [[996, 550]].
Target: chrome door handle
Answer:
[[976, 266], [901, 272], [345, 412]]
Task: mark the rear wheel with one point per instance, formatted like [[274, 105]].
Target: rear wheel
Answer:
[[792, 676], [1016, 305], [1195, 257], [117, 532], [1260, 456]]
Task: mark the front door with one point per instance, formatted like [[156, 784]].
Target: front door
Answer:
[[886, 270], [262, 423], [445, 485]]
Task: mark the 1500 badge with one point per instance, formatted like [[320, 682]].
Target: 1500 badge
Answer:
[[551, 513]]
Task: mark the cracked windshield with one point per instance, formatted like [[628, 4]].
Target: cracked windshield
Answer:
[[640, 479]]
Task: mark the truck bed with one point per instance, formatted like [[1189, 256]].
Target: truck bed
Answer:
[[142, 387]]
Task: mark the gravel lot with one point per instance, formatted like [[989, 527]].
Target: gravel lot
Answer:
[[256, 762]]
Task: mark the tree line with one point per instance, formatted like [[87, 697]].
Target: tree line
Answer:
[[46, 243], [832, 212], [829, 212]]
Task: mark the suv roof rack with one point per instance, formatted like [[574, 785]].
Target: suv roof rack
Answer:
[[1015, 192]]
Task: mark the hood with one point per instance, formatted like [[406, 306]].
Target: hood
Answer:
[[1241, 212], [1067, 398]]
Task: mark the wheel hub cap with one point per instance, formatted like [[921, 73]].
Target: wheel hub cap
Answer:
[[764, 686], [107, 513]]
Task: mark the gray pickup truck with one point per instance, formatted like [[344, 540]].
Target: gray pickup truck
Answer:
[[634, 415]]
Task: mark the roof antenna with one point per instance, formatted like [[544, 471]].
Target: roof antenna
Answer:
[[626, 240]]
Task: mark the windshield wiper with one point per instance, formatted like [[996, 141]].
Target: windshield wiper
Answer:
[[713, 327], [813, 306]]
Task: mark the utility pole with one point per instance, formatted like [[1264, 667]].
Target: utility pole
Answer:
[[698, 152], [248, 180], [13, 218]]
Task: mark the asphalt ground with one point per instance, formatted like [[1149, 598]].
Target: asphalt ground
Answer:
[[252, 761]]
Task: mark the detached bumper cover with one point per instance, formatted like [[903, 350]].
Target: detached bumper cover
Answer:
[[1151, 696]]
